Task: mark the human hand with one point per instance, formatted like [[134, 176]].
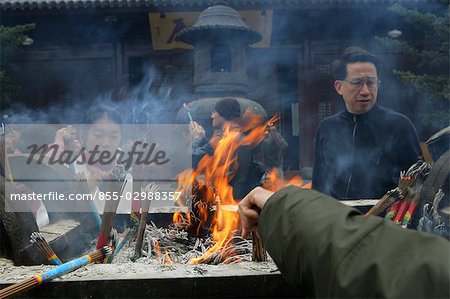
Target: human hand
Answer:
[[196, 130], [250, 208], [271, 129], [65, 136]]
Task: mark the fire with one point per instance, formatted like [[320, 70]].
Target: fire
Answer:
[[167, 259], [213, 175], [181, 219], [157, 249], [274, 182], [216, 170], [162, 259], [185, 181]]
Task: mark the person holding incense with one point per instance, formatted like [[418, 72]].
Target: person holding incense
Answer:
[[360, 151], [329, 250], [227, 114], [100, 131], [24, 136]]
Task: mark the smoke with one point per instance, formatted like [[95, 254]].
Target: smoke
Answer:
[[153, 100]]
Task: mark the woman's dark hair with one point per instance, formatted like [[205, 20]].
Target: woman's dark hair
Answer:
[[99, 111], [351, 55]]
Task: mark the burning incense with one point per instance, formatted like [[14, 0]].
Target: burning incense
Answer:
[[410, 183], [188, 112], [109, 213], [51, 274], [82, 181], [150, 188], [259, 253], [44, 247]]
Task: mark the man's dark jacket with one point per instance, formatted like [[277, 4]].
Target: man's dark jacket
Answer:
[[361, 156]]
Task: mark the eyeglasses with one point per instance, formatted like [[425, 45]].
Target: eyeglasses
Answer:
[[358, 83]]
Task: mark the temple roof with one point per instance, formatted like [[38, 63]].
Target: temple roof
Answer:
[[188, 4]]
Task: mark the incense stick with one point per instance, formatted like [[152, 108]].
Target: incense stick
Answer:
[[149, 189], [44, 247], [386, 201], [53, 273], [405, 222], [126, 235], [188, 112], [259, 253], [109, 214], [82, 180]]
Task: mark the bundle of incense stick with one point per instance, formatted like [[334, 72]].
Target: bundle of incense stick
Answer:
[[149, 189], [405, 222], [84, 189], [137, 172], [117, 178], [401, 212], [386, 201], [403, 184], [259, 253], [58, 271], [393, 210], [44, 247]]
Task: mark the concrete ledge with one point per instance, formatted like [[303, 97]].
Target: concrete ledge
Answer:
[[139, 280]]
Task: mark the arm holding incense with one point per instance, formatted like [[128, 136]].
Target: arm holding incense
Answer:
[[65, 136], [200, 145], [327, 249], [277, 137], [65, 139]]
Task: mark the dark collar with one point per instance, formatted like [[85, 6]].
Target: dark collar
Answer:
[[361, 117]]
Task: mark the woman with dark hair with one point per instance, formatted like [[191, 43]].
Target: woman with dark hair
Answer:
[[99, 111], [101, 133], [98, 135]]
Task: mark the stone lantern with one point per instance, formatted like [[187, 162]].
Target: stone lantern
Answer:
[[220, 38]]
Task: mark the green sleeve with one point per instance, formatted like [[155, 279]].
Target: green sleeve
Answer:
[[326, 249]]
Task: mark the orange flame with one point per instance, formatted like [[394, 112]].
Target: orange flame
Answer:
[[185, 181], [181, 219], [217, 171], [157, 249], [274, 182], [167, 259]]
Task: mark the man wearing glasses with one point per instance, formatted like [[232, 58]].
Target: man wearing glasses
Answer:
[[360, 151]]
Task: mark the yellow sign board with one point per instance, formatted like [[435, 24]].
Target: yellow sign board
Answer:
[[165, 26]]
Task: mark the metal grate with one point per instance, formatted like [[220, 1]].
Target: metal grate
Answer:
[[324, 109]]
